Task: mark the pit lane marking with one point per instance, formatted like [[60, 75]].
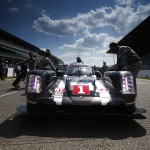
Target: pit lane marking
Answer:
[[8, 94], [140, 82]]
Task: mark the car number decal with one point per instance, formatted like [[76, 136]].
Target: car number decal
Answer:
[[81, 90]]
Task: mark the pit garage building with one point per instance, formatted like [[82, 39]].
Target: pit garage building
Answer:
[[139, 40], [14, 50]]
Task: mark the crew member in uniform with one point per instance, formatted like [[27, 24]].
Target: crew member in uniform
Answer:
[[45, 63], [127, 59], [21, 76]]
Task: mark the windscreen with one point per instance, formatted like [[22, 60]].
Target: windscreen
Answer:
[[79, 70]]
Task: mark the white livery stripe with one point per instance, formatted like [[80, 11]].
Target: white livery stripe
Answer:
[[58, 100], [59, 95], [104, 93], [61, 84]]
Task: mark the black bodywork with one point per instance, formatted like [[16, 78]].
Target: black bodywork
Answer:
[[80, 90]]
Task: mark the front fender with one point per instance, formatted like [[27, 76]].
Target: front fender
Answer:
[[37, 81]]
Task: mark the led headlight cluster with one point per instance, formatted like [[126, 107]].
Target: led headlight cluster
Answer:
[[34, 84], [128, 85]]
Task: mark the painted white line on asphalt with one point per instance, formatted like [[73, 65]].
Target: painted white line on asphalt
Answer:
[[8, 94], [139, 82]]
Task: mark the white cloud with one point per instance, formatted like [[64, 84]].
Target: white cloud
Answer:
[[13, 9], [55, 27], [89, 58], [43, 49], [89, 42], [92, 47], [125, 2], [122, 18]]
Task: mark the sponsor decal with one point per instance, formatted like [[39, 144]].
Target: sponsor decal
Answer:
[[80, 78], [81, 97], [59, 89], [103, 90]]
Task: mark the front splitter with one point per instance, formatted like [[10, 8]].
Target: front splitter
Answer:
[[137, 114]]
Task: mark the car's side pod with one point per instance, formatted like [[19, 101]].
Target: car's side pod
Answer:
[[37, 81], [123, 82]]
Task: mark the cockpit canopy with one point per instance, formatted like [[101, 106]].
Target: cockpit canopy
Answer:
[[78, 70]]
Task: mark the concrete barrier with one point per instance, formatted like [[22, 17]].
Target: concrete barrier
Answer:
[[144, 74]]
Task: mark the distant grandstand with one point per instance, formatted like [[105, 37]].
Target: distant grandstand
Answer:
[[14, 50]]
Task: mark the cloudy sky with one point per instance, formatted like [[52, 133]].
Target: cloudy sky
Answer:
[[72, 27]]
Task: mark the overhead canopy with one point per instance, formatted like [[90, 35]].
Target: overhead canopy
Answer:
[[138, 39]]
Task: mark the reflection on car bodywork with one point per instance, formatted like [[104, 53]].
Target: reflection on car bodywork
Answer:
[[80, 89]]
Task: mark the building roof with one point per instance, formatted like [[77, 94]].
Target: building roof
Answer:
[[138, 39], [6, 45], [16, 38]]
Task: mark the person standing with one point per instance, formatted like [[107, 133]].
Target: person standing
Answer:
[[126, 58], [104, 68], [32, 64], [21, 76], [2, 69], [5, 69], [17, 69], [79, 60], [32, 61], [45, 63]]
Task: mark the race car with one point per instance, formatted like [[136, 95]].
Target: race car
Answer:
[[80, 89]]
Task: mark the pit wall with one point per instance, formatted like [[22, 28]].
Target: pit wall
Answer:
[[144, 74]]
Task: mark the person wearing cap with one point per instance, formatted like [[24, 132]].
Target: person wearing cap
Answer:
[[21, 76], [79, 60], [17, 70], [45, 63], [2, 69], [127, 58], [104, 69], [31, 61]]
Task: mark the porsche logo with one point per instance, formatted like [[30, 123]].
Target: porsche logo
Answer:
[[81, 97]]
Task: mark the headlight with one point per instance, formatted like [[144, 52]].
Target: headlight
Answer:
[[34, 84], [128, 85]]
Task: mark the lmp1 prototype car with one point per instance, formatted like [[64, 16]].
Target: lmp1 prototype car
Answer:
[[80, 90]]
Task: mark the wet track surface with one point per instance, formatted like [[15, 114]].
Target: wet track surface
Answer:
[[65, 132]]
